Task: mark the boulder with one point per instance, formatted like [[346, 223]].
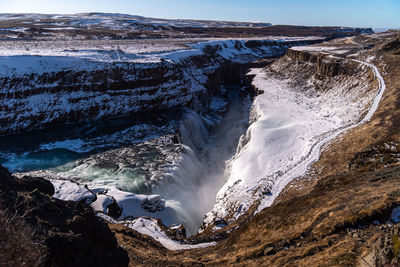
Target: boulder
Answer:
[[32, 183], [153, 203]]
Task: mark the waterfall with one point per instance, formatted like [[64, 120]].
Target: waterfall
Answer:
[[184, 185], [191, 186], [193, 130]]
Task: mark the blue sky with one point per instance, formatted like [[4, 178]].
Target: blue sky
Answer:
[[363, 13]]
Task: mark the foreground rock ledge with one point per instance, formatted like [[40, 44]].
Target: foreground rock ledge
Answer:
[[36, 229]]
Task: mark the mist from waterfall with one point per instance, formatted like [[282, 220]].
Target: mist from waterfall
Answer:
[[192, 186]]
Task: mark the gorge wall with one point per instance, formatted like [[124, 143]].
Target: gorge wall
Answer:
[[47, 91]]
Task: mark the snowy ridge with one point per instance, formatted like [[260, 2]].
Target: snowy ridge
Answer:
[[282, 144], [108, 26], [65, 54]]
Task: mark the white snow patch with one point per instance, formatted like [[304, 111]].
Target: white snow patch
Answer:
[[148, 226], [102, 202], [71, 191], [314, 48], [133, 205]]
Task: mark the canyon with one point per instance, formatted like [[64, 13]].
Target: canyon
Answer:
[[275, 151]]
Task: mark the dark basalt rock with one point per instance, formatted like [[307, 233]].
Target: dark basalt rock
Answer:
[[393, 46], [324, 65], [32, 183], [70, 231], [177, 233], [6, 177], [114, 210]]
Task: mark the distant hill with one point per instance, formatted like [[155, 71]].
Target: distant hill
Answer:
[[124, 26]]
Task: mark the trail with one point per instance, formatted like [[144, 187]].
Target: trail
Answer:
[[301, 168]]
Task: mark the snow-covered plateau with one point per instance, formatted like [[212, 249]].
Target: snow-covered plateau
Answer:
[[108, 26]]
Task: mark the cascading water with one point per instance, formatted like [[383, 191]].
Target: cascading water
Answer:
[[191, 187]]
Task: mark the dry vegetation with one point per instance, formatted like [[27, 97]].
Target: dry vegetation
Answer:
[[18, 246]]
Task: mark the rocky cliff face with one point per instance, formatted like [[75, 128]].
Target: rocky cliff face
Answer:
[[324, 64], [47, 99], [50, 91]]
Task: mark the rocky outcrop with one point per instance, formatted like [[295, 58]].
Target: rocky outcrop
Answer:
[[393, 47], [324, 64], [65, 233], [376, 157]]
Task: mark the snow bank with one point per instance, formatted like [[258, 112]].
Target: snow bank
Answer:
[[136, 205], [287, 137], [132, 205], [102, 202]]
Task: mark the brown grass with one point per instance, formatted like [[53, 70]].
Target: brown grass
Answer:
[[396, 246], [18, 243]]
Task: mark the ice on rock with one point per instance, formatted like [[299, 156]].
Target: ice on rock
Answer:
[[218, 104], [136, 205], [150, 227], [219, 224]]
